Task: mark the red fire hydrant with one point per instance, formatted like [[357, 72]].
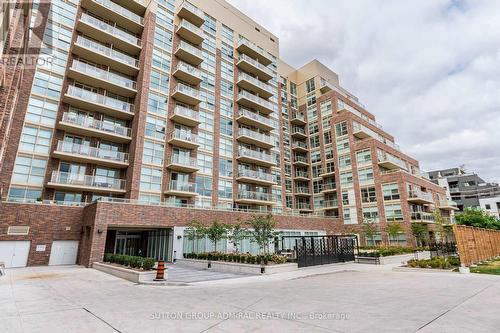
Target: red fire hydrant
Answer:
[[160, 271]]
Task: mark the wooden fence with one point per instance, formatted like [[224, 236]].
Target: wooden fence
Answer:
[[476, 244]]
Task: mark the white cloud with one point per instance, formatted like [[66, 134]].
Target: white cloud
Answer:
[[428, 69]]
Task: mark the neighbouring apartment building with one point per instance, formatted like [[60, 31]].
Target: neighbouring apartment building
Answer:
[[151, 114]]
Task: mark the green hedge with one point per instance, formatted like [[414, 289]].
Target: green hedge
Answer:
[[236, 257], [438, 262], [390, 251], [130, 261]]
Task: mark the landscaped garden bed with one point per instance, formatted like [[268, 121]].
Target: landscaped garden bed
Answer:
[[487, 267], [375, 251], [243, 258], [435, 263], [131, 268]]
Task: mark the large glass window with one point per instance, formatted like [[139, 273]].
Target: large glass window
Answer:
[[390, 191], [29, 170], [150, 179], [204, 185], [35, 140], [153, 152]]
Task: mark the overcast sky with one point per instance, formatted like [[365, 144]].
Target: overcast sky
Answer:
[[428, 69]]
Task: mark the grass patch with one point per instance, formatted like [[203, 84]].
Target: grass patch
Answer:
[[488, 267]]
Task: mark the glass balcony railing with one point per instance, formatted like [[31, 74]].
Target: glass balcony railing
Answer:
[[255, 48], [257, 117], [329, 187], [302, 174], [257, 175], [302, 190], [99, 24], [422, 216], [255, 63], [103, 74], [178, 186], [255, 154], [121, 10], [303, 206], [299, 158], [251, 195], [184, 136], [100, 99], [100, 182], [93, 152], [186, 112], [191, 27], [255, 135], [417, 194], [182, 66], [255, 82], [298, 130], [330, 203], [299, 144], [187, 90], [256, 99], [107, 51], [183, 160], [95, 124], [190, 49], [195, 10]]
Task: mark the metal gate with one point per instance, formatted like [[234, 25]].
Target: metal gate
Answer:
[[321, 250]]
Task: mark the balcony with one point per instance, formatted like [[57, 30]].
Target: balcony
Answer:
[[249, 48], [91, 127], [187, 73], [71, 181], [360, 131], [303, 206], [116, 13], [251, 118], [301, 175], [250, 197], [186, 94], [422, 217], [137, 6], [253, 84], [181, 189], [100, 78], [255, 102], [191, 13], [256, 157], [189, 53], [300, 160], [255, 177], [73, 152], [185, 116], [92, 101], [184, 139], [300, 146], [420, 197], [298, 119], [102, 54], [107, 33], [254, 138], [302, 191], [330, 204], [252, 66], [389, 161], [448, 205], [327, 171], [183, 163], [190, 32], [324, 86], [298, 133], [329, 187]]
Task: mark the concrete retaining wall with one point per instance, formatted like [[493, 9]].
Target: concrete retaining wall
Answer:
[[234, 267], [125, 273], [403, 258]]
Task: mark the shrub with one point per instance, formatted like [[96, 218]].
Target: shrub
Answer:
[[148, 264], [107, 257], [279, 259]]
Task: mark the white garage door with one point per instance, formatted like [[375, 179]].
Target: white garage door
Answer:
[[14, 253], [63, 253]]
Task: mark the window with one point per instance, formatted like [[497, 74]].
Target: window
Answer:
[[311, 100], [206, 140], [314, 141], [226, 167], [161, 60], [24, 194], [310, 86], [227, 70], [347, 215], [374, 240], [364, 156], [150, 179], [207, 100], [226, 107], [346, 178], [226, 146], [368, 195], [226, 89], [210, 24], [393, 212], [29, 170], [208, 81], [163, 38], [345, 161], [225, 189], [47, 84], [205, 162], [67, 197], [370, 214], [341, 129], [207, 120], [159, 81], [35, 140], [153, 152], [328, 137], [399, 240], [390, 191], [227, 34], [155, 128], [488, 206], [365, 175], [343, 146], [149, 198], [157, 104], [226, 126], [204, 185], [41, 111]]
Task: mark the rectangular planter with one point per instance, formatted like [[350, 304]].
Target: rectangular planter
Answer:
[[234, 267], [403, 258], [126, 273]]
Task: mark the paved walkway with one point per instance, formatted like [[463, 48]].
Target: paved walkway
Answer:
[[351, 298], [181, 273]]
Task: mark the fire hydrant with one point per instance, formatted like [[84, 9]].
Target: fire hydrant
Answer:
[[160, 271]]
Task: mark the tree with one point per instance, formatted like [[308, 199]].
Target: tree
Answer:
[[475, 217], [262, 231], [368, 229], [441, 225], [196, 230], [236, 234], [420, 232], [216, 232], [393, 229]]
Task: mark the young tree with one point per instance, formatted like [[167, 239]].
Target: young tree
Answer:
[[236, 233], [216, 232], [393, 229], [262, 231], [475, 217], [196, 230], [420, 232], [368, 229]]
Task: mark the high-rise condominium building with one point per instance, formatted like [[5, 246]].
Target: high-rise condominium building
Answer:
[[145, 115]]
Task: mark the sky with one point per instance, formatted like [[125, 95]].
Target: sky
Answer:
[[429, 70]]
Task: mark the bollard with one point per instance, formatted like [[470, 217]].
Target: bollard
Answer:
[[160, 271]]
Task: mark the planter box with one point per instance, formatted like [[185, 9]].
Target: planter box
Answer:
[[403, 258], [126, 273], [234, 267], [423, 270]]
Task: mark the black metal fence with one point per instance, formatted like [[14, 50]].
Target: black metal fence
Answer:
[[321, 250], [443, 249]]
